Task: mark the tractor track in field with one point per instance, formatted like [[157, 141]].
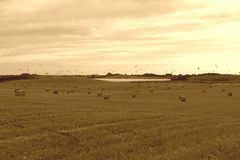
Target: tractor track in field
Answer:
[[165, 122], [67, 131]]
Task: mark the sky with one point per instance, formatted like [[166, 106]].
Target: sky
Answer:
[[127, 36]]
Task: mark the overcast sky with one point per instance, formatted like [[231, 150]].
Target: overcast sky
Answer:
[[126, 36]]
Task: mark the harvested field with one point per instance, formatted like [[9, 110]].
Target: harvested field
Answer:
[[155, 125]]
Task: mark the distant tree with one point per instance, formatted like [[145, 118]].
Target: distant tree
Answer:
[[168, 75], [149, 75], [109, 74], [180, 77]]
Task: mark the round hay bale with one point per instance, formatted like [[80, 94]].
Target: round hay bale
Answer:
[[134, 95], [89, 91], [223, 90], [55, 92], [20, 93], [47, 90], [182, 98], [106, 96], [230, 94], [99, 94], [16, 90]]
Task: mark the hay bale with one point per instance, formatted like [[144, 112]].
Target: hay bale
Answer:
[[99, 94], [55, 92], [106, 96], [223, 90], [134, 95], [16, 90], [204, 91], [230, 94], [151, 90], [47, 90], [19, 92], [182, 98]]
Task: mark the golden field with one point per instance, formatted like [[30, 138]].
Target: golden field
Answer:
[[155, 125]]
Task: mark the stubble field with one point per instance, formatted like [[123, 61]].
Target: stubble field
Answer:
[[75, 125]]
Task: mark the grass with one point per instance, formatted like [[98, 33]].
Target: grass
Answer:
[[154, 125]]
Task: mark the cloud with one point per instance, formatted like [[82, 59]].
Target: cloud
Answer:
[[125, 31]]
